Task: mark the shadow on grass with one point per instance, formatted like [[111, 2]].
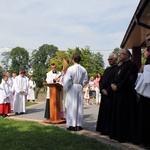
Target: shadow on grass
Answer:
[[25, 135]]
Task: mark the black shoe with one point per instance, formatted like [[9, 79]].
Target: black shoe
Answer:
[[4, 115], [71, 128], [33, 100], [16, 113], [28, 100], [22, 113], [78, 128]]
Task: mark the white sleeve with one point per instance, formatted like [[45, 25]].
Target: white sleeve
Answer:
[[48, 78], [146, 74]]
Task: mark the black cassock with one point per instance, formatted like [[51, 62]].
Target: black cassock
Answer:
[[124, 112], [105, 109], [47, 109]]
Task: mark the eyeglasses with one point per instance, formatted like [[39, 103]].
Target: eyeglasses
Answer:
[[147, 40]]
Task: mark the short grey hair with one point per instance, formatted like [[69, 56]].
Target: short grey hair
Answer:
[[114, 55]]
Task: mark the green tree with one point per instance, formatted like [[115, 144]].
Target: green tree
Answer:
[[39, 62], [1, 72], [92, 62], [86, 58], [6, 60], [116, 51], [19, 59], [99, 63], [95, 64], [41, 59], [58, 59]]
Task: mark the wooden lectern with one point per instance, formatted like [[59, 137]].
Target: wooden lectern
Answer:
[[55, 113]]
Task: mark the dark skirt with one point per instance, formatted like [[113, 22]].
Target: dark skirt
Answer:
[[143, 130], [92, 93], [47, 109]]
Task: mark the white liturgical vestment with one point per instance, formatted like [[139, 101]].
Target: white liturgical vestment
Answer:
[[73, 82], [20, 98]]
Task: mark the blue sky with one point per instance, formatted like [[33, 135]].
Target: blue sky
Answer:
[[99, 24]]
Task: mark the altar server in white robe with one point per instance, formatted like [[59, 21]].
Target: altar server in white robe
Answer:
[[51, 77], [10, 82], [20, 93], [14, 74], [74, 80], [5, 92], [31, 93], [27, 80]]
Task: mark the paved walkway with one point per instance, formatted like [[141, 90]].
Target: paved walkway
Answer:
[[36, 113]]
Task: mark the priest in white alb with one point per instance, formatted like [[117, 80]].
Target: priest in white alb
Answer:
[[73, 82], [21, 90]]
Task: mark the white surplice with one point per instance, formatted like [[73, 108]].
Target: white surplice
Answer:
[[143, 82], [5, 92], [10, 82], [27, 80], [49, 79], [73, 82], [31, 93], [20, 98], [12, 96]]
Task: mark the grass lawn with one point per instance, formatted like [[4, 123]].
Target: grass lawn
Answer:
[[25, 135]]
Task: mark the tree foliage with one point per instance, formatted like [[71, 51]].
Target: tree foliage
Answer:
[[41, 59], [1, 72], [40, 62], [6, 60], [58, 59], [116, 51], [91, 61], [19, 59]]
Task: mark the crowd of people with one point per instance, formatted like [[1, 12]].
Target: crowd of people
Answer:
[[124, 113], [73, 80], [121, 92], [15, 91], [92, 93]]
